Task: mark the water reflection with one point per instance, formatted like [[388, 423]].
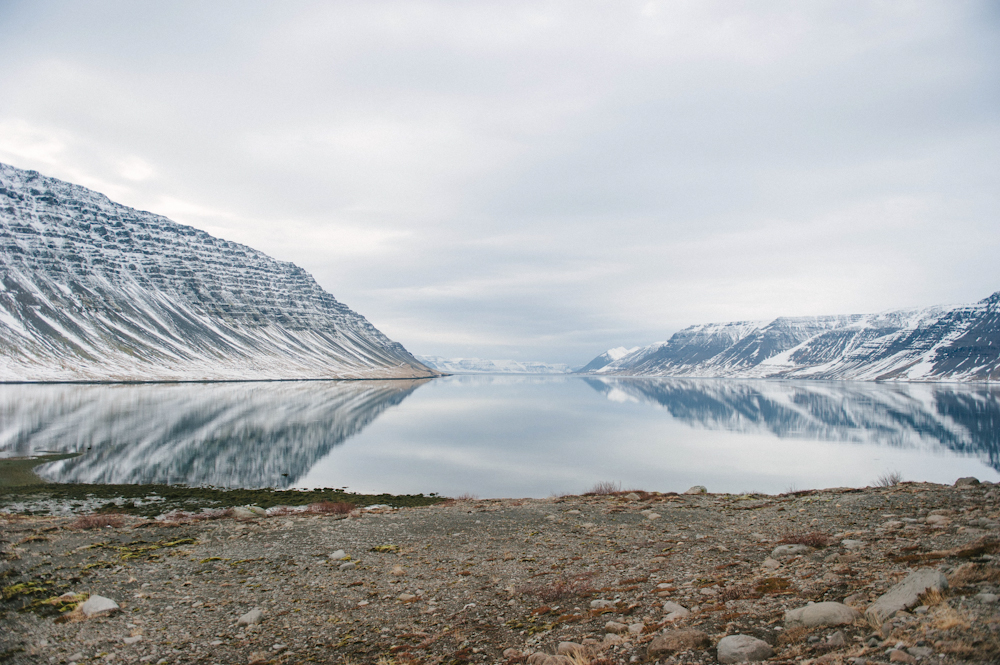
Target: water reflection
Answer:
[[963, 419], [223, 434]]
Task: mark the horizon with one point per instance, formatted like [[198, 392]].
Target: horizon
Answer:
[[539, 183]]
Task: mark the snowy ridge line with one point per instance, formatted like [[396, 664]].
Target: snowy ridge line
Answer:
[[955, 344], [481, 366], [91, 290]]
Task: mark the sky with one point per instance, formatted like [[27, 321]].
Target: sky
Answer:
[[540, 180]]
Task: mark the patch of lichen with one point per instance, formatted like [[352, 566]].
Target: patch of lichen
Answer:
[[152, 500]]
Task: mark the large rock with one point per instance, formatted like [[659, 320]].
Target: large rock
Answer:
[[675, 611], [251, 618], [907, 593], [99, 606], [697, 489], [743, 649], [968, 481], [821, 614], [682, 639]]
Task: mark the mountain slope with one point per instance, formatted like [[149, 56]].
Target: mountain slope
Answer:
[[93, 290], [606, 358], [481, 366], [933, 344]]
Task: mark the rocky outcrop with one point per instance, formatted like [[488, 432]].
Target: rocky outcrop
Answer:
[[91, 290]]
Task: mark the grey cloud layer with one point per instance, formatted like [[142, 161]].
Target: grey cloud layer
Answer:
[[539, 180]]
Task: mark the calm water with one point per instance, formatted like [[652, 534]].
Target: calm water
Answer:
[[507, 435]]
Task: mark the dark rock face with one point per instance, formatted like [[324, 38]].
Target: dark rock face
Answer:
[[93, 290], [933, 344]]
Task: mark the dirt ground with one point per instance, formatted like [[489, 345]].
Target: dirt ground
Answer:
[[497, 581]]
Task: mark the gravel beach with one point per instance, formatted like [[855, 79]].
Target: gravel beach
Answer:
[[891, 574]]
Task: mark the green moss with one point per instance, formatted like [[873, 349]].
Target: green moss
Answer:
[[152, 500]]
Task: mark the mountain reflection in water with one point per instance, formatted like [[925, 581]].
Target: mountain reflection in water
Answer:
[[221, 434], [962, 418]]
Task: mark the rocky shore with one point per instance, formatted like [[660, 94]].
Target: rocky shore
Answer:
[[905, 574]]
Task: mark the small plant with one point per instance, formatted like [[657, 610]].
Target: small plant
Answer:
[[816, 539], [604, 488], [331, 508], [565, 587], [466, 497], [888, 479], [98, 521]]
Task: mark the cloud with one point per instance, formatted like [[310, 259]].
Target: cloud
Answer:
[[539, 180]]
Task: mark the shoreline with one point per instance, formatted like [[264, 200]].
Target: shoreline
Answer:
[[623, 578]]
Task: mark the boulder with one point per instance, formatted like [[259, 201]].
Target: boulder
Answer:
[[682, 639], [99, 606], [601, 604], [743, 649], [571, 648], [615, 627], [968, 481], [907, 593], [697, 489], [251, 618], [821, 614], [675, 611]]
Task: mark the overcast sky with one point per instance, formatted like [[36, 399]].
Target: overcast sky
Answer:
[[540, 180]]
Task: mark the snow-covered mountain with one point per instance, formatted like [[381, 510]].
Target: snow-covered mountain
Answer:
[[934, 344], [480, 366], [93, 290], [606, 358]]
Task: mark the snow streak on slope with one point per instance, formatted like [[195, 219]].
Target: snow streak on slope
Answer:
[[93, 290], [933, 344], [607, 358], [220, 434], [480, 366]]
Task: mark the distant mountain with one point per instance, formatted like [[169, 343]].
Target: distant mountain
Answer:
[[480, 366], [933, 344], [606, 359], [93, 290]]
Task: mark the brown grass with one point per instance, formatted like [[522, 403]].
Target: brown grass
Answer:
[[793, 635], [98, 521], [331, 508], [971, 574], [604, 488], [564, 587], [816, 539]]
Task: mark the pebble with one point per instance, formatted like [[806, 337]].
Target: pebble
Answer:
[[615, 627], [675, 611], [251, 618], [350, 565], [406, 597], [601, 604], [836, 640], [782, 551], [99, 605], [680, 639], [852, 544], [743, 649], [338, 555], [900, 656], [987, 597], [771, 564], [133, 639], [636, 628], [397, 571]]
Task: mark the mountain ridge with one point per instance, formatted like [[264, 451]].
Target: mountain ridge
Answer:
[[958, 343], [91, 290]]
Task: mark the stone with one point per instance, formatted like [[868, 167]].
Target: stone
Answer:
[[243, 513], [615, 627], [968, 481], [407, 597], [632, 496], [920, 652], [771, 564], [907, 593], [570, 648], [675, 611], [99, 606], [652, 516], [852, 544], [512, 653], [636, 628], [77, 656], [821, 614], [782, 551], [678, 639], [900, 656], [836, 640], [350, 565], [133, 639], [601, 604], [251, 618], [338, 555], [697, 489], [987, 597], [743, 649], [612, 639], [397, 571], [537, 658], [940, 520]]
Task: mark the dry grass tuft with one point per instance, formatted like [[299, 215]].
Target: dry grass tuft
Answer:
[[564, 587], [793, 635], [816, 539], [467, 497], [98, 521], [604, 488], [931, 597], [331, 508], [888, 479], [971, 574], [948, 618]]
